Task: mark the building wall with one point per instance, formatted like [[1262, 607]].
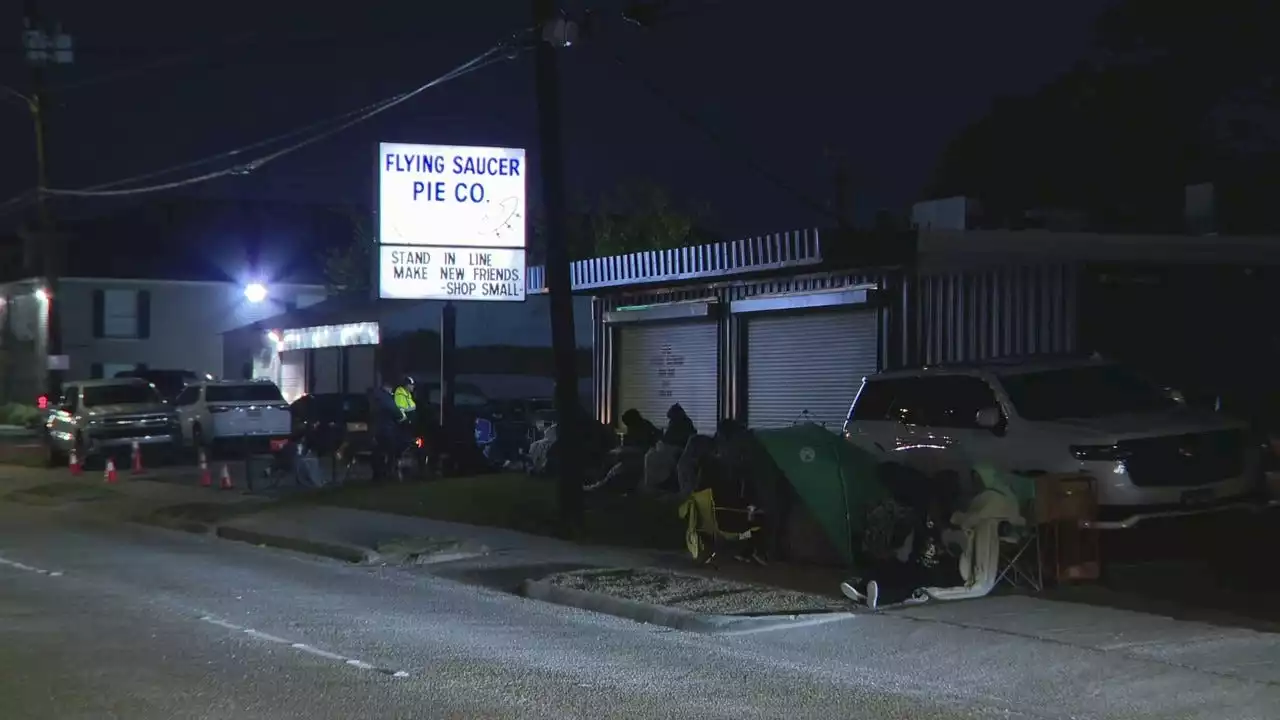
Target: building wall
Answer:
[[980, 312], [186, 323], [732, 390], [989, 311], [480, 324], [23, 331]]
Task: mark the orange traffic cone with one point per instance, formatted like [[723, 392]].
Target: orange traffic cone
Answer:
[[206, 479], [73, 462], [110, 474], [137, 459], [225, 483]]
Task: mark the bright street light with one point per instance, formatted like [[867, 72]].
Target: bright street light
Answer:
[[255, 292]]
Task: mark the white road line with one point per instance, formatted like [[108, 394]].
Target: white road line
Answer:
[[20, 566], [303, 647]]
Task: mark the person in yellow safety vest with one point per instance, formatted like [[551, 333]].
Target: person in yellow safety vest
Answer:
[[404, 399]]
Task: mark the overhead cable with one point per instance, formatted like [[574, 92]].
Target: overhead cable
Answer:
[[346, 120]]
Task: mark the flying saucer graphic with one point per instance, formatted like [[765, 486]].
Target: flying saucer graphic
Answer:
[[499, 217]]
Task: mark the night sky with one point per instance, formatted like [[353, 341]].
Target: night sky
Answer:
[[883, 84]]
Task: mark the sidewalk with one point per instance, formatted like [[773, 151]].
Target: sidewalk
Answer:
[[1211, 649]]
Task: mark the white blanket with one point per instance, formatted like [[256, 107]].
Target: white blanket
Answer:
[[980, 561]]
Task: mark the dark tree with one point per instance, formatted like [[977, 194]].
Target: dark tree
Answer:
[[1175, 93]]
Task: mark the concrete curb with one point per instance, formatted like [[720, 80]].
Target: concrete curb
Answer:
[[178, 524], [345, 553], [674, 618]]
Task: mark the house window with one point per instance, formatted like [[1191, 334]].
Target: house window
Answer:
[[122, 314]]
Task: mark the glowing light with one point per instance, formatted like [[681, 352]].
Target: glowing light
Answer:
[[255, 292], [42, 295], [274, 337]]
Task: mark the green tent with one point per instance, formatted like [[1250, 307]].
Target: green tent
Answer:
[[836, 481]]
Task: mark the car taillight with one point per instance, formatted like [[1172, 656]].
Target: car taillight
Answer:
[[1098, 452], [418, 442], [42, 402], [220, 408]]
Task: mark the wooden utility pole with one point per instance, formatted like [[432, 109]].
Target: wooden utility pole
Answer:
[[42, 49], [551, 35]]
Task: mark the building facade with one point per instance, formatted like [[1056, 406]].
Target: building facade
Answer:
[[348, 345], [781, 328], [112, 325]]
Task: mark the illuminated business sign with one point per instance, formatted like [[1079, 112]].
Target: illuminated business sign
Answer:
[[451, 222], [451, 273]]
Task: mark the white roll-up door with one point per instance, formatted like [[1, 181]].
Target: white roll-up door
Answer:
[[327, 368], [293, 374], [361, 368], [812, 362], [664, 363]]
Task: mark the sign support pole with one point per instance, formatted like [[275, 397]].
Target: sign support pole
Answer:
[[563, 343], [448, 364]]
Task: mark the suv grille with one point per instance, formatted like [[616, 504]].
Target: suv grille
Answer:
[[1185, 460]]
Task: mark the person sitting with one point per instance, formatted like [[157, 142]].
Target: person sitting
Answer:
[[899, 568], [627, 467], [679, 427], [639, 433]]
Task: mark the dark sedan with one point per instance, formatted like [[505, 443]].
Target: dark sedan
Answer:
[[323, 422]]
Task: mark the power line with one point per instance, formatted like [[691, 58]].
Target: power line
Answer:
[[725, 146], [361, 115]]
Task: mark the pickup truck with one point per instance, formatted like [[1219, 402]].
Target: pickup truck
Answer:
[[106, 417]]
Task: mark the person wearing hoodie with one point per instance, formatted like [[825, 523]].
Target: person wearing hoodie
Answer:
[[639, 436], [679, 427], [660, 462]]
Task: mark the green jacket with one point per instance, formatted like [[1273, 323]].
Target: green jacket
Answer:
[[404, 402]]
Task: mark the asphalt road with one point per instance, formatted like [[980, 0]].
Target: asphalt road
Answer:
[[101, 620]]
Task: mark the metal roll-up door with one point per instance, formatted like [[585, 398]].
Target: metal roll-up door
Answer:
[[361, 365], [665, 363], [811, 362], [293, 374], [327, 366]]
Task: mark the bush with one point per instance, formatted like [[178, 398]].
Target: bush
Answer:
[[28, 416]]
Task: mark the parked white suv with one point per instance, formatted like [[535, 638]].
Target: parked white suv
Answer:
[[246, 414], [1151, 455]]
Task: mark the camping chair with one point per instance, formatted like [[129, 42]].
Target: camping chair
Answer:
[[1021, 563], [705, 535]]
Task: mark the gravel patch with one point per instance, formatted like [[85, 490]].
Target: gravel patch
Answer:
[[693, 593]]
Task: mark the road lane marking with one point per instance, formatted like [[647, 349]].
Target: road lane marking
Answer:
[[303, 647], [22, 566]]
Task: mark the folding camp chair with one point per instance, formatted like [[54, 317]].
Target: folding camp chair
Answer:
[[704, 536], [1021, 563]]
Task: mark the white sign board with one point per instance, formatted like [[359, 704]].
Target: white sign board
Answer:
[[451, 273], [450, 195]]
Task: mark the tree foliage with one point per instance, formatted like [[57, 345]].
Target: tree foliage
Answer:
[[348, 268], [634, 217], [1175, 93]]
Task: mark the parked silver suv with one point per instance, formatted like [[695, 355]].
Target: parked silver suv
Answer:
[[100, 417], [1151, 455]]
